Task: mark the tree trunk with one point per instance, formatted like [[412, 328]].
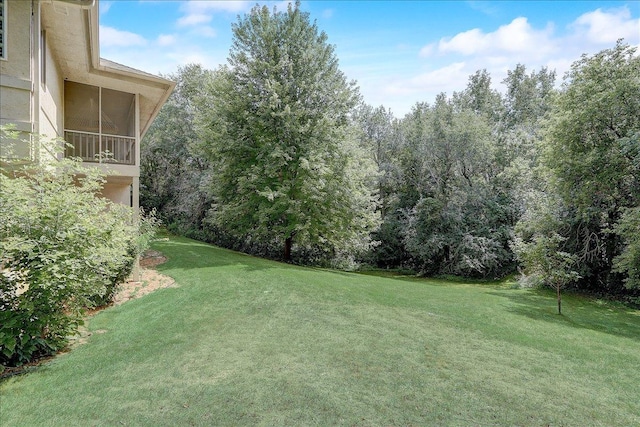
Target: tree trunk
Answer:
[[559, 300], [287, 248]]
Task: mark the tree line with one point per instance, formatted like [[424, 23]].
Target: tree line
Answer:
[[275, 154]]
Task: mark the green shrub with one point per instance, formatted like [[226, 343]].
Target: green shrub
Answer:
[[135, 244], [62, 249]]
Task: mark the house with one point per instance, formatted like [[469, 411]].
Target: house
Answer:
[[54, 83]]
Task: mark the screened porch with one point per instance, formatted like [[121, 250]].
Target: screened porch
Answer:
[[99, 124]]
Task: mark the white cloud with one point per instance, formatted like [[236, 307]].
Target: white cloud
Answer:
[[605, 27], [198, 6], [517, 37], [105, 6], [198, 12], [427, 50], [560, 65], [485, 7], [205, 31], [328, 13], [442, 79], [158, 59], [467, 43], [166, 39], [113, 37], [193, 19]]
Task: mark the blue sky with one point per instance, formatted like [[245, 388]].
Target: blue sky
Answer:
[[399, 52]]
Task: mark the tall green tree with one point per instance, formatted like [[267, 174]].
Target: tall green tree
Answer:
[[288, 166], [527, 96], [527, 100], [628, 261], [381, 137], [480, 97], [451, 203]]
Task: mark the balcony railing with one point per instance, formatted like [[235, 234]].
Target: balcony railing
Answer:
[[101, 148]]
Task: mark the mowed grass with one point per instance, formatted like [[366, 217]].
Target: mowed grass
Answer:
[[246, 341]]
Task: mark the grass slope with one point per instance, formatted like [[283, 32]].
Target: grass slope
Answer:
[[245, 341]]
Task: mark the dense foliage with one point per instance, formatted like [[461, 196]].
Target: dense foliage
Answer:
[[455, 174], [62, 249], [173, 173], [482, 183], [589, 159]]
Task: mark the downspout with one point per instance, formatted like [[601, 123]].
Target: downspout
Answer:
[[32, 67], [34, 35]]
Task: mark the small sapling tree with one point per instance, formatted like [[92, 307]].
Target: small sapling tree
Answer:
[[542, 257]]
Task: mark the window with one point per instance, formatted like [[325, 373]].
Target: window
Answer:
[[3, 29]]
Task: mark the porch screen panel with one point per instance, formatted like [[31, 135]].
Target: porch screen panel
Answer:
[[100, 124], [81, 107], [118, 125], [118, 113], [82, 115]]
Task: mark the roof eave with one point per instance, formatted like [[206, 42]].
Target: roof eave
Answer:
[[101, 65]]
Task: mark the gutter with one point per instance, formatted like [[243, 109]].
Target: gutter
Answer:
[[85, 4]]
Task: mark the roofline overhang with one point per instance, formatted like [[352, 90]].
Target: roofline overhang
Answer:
[[82, 3], [101, 66], [144, 79]]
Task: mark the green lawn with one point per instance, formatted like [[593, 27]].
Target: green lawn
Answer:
[[245, 341]]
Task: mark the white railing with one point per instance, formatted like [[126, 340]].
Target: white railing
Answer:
[[101, 148]]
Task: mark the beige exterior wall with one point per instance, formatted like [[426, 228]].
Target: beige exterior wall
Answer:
[[18, 39], [51, 111], [16, 99], [116, 170], [24, 100], [51, 101], [117, 193], [15, 102]]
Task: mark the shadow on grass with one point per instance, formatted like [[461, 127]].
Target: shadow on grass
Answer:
[[578, 311], [407, 276], [186, 254]]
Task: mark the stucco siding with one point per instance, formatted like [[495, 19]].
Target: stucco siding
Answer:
[[15, 70], [15, 76], [117, 193], [51, 113], [15, 105], [15, 109], [18, 39]]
